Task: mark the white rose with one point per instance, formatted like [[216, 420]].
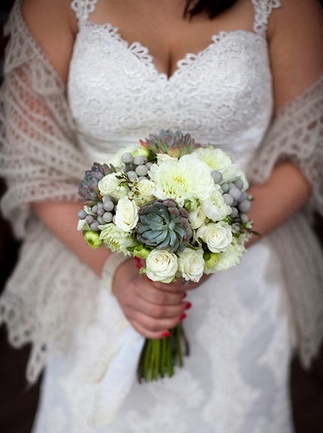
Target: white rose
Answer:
[[230, 257], [216, 159], [111, 185], [162, 266], [126, 216], [108, 184], [116, 239], [217, 236], [196, 218], [215, 207], [183, 179], [144, 191], [191, 264]]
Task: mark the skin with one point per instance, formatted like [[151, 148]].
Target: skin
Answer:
[[295, 34]]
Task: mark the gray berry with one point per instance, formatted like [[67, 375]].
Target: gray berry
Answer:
[[142, 170], [239, 183], [107, 217], [82, 214], [244, 218], [229, 200], [100, 211], [225, 187], [217, 176], [108, 206], [127, 158], [89, 219], [140, 160], [235, 192], [244, 206], [234, 212], [132, 175], [94, 226]]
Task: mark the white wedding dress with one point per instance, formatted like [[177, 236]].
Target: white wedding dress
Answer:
[[236, 377]]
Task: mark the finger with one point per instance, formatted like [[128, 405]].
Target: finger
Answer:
[[152, 335], [160, 297], [174, 287], [156, 311], [155, 328]]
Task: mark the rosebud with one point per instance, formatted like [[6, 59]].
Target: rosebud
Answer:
[[211, 260], [191, 204], [141, 151], [92, 238], [141, 252]]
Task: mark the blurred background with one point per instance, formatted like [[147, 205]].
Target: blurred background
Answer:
[[18, 400]]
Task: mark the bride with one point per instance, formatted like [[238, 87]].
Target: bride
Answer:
[[84, 78]]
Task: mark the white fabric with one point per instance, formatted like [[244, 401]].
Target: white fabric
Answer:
[[121, 103], [300, 122], [39, 159], [235, 379], [238, 326]]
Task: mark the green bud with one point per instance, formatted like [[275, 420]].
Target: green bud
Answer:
[[141, 252], [191, 204], [210, 259], [92, 238], [141, 151]]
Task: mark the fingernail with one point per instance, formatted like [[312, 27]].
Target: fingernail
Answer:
[[182, 317], [165, 334], [188, 305], [138, 262], [185, 295]]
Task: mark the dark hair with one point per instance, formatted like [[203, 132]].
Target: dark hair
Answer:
[[211, 7]]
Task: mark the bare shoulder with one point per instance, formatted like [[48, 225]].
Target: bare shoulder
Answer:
[[295, 41], [53, 25]]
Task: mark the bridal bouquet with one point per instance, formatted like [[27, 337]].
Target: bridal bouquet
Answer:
[[179, 208]]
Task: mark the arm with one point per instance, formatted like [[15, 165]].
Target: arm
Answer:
[[295, 38], [151, 308], [53, 25]]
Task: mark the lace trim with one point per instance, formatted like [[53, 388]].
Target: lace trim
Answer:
[[216, 39], [142, 52], [262, 13], [297, 135], [83, 8]]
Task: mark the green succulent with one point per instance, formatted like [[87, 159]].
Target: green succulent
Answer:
[[163, 225], [175, 144], [88, 191]]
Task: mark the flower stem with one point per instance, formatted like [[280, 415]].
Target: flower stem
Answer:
[[160, 357]]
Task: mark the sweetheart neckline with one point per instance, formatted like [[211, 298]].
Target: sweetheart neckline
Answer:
[[143, 53]]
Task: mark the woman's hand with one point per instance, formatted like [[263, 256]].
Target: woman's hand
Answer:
[[152, 308]]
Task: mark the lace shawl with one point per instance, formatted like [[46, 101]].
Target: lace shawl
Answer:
[[39, 160], [51, 291]]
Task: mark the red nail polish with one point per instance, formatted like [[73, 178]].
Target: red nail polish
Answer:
[[166, 334], [185, 295], [188, 305], [182, 317], [138, 263]]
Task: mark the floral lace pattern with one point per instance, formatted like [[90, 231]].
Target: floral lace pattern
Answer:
[[83, 8], [129, 80], [262, 13], [125, 97], [239, 337], [239, 332]]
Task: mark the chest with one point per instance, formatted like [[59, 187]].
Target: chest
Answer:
[[114, 85], [162, 27]]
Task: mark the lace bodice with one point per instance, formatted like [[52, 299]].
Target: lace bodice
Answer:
[[221, 95]]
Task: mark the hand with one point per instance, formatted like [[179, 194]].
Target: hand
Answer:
[[152, 308]]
